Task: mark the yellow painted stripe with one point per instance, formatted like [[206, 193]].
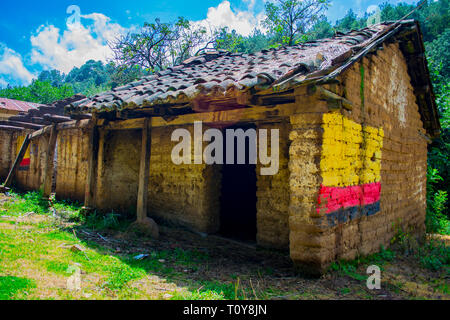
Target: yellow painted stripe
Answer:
[[351, 153]]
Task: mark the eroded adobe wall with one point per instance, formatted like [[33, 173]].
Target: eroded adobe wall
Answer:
[[118, 170], [307, 241], [273, 193], [370, 167], [71, 165], [186, 194], [29, 175], [388, 102]]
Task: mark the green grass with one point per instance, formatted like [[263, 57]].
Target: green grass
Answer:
[[349, 267], [45, 247], [13, 287]]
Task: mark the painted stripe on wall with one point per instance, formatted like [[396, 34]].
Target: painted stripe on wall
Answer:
[[335, 198], [350, 168]]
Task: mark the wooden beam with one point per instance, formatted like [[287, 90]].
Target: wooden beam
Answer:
[[23, 149], [80, 116], [89, 195], [334, 100], [40, 120], [26, 125], [11, 128], [254, 113], [75, 124], [144, 170], [40, 132], [55, 118], [48, 164]]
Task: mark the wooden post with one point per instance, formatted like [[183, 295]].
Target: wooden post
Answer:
[[92, 168], [144, 173], [23, 149], [48, 165]]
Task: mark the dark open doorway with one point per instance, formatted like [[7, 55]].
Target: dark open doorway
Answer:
[[238, 195]]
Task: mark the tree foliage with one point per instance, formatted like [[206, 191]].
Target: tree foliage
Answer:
[[288, 20], [159, 45], [39, 92]]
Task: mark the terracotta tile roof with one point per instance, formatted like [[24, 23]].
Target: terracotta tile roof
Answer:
[[16, 105], [216, 73], [224, 75]]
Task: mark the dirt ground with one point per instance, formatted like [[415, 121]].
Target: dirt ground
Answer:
[[255, 272], [263, 270]]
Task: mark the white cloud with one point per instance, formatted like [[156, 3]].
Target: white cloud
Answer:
[[244, 22], [12, 68], [72, 47]]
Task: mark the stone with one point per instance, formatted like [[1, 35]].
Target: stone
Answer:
[[77, 248], [147, 228]]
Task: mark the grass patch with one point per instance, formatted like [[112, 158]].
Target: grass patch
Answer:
[[11, 287], [434, 255], [349, 267]]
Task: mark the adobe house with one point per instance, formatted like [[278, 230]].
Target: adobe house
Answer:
[[354, 112]]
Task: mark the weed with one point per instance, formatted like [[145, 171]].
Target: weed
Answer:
[[434, 255]]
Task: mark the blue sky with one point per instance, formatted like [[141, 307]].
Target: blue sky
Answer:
[[34, 34]]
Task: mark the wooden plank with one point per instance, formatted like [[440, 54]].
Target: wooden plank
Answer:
[[40, 132], [55, 118], [23, 149], [254, 113], [79, 124], [80, 116], [48, 164], [125, 124], [144, 170], [11, 128], [21, 124], [89, 196]]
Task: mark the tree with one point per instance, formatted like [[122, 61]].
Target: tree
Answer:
[[287, 20], [38, 92], [159, 45], [188, 40], [55, 77], [234, 42], [350, 22], [321, 29], [148, 48]]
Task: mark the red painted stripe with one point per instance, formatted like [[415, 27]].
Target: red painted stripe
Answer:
[[334, 198], [25, 162]]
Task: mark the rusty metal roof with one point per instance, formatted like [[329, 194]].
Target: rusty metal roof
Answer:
[[41, 115], [16, 105], [222, 75]]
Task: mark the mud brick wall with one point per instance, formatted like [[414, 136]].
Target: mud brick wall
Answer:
[[185, 194], [118, 170], [388, 101], [273, 194], [371, 167], [71, 168], [308, 242], [29, 175], [6, 145]]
